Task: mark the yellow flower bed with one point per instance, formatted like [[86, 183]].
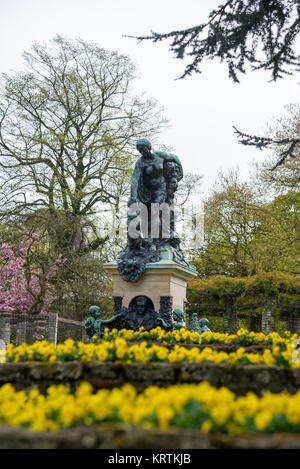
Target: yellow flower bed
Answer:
[[243, 336], [119, 349], [200, 406]]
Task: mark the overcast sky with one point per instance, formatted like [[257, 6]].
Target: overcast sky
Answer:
[[201, 109]]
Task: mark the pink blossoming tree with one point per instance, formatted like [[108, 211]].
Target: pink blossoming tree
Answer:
[[27, 275]]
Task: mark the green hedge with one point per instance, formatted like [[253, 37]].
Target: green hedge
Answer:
[[282, 286]]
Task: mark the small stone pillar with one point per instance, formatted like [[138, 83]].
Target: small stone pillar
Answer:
[[230, 318], [21, 332], [267, 316], [52, 328], [5, 331]]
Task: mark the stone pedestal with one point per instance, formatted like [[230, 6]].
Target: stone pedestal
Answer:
[[165, 278]]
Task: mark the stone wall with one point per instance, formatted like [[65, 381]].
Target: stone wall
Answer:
[[240, 379], [123, 436]]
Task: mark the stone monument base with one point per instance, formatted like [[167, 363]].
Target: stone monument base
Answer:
[[163, 287]]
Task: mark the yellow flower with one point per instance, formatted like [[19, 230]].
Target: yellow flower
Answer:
[[221, 413], [206, 426], [262, 420]]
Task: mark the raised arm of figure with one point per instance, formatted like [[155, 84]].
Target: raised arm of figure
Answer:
[[107, 321]]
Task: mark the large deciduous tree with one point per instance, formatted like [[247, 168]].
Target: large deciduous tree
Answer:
[[27, 271], [67, 124], [68, 127], [232, 218], [244, 234]]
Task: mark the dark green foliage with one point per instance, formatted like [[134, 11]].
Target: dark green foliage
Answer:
[[291, 145], [248, 297], [259, 33], [266, 284]]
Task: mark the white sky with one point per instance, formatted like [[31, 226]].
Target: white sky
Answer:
[[201, 109]]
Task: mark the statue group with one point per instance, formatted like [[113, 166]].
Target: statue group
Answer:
[[141, 316], [199, 325], [150, 232], [154, 182]]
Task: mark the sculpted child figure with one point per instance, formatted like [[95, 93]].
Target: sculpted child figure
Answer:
[[203, 323], [94, 326], [178, 316], [195, 326]]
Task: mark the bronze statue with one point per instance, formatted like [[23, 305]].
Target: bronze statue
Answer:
[[203, 323], [154, 181], [155, 177], [94, 326], [195, 326], [178, 316], [141, 313]]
